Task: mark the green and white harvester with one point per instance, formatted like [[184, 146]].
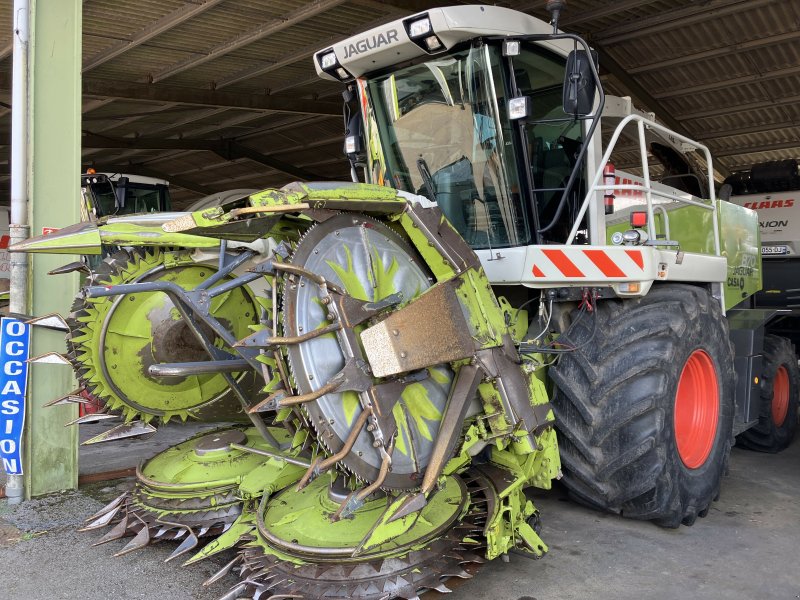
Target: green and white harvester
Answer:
[[487, 307]]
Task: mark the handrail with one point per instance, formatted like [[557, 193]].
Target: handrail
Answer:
[[647, 188]]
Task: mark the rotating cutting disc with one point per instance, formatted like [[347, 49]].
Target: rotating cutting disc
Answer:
[[299, 553], [113, 340], [369, 262], [186, 492]]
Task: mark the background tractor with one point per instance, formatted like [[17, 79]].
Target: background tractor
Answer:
[[419, 333], [771, 189]]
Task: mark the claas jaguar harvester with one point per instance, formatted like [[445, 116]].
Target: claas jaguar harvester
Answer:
[[422, 330]]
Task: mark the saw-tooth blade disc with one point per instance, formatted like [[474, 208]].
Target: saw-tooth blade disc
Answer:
[[369, 262], [113, 340], [299, 553], [190, 489]]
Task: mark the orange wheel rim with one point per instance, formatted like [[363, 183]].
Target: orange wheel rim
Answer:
[[696, 409], [780, 396]]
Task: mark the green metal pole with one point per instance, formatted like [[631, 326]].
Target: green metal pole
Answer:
[[51, 450]]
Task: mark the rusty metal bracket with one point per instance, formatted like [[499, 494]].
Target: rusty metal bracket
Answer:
[[429, 330]]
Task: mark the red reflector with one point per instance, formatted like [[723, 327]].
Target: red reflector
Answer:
[[638, 219]]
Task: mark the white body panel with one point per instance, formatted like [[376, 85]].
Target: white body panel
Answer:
[[779, 217], [389, 44]]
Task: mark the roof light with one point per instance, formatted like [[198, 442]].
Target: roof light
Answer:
[[350, 146], [433, 43], [342, 74], [419, 27], [519, 107], [511, 47], [328, 61]]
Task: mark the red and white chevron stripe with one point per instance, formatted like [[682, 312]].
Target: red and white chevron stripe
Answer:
[[591, 263]]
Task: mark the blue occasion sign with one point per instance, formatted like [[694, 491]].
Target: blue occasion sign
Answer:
[[14, 348]]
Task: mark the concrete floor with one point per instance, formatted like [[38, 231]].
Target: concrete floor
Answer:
[[746, 548]]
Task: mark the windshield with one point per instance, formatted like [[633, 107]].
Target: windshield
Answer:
[[553, 140], [139, 198], [444, 134], [443, 131]]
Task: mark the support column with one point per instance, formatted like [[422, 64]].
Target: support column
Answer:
[[54, 137]]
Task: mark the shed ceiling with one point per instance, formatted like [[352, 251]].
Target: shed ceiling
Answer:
[[221, 94]]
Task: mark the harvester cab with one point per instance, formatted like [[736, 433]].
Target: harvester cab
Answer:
[[495, 118]]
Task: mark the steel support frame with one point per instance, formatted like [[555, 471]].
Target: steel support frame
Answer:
[[50, 450]]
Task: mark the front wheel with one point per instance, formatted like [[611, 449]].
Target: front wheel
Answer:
[[780, 394], [644, 405]]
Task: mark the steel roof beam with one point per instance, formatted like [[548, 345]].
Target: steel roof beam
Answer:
[[135, 117], [742, 150], [260, 32], [187, 120], [667, 20], [165, 23], [233, 151], [228, 149], [719, 85], [716, 52], [268, 66], [182, 95], [763, 127], [288, 121], [302, 53], [90, 105], [570, 18], [735, 108]]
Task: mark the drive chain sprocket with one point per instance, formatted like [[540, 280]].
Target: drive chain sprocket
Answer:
[[113, 340]]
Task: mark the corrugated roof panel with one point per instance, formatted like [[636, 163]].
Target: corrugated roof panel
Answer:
[[757, 41]]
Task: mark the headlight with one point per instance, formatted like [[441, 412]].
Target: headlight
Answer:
[[350, 144], [433, 43], [328, 61], [519, 108], [419, 27]]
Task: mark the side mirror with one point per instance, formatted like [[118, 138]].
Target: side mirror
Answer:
[[119, 192], [354, 137], [579, 84]]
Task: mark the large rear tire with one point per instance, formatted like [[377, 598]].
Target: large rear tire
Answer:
[[780, 394], [644, 405]]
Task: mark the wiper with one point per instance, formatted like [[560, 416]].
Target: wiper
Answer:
[[427, 179]]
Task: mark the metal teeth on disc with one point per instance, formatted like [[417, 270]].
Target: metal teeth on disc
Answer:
[[357, 462], [267, 577], [129, 515], [407, 576], [97, 324]]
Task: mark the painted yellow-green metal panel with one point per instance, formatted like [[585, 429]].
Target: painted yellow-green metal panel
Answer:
[[740, 238], [51, 450], [692, 228]]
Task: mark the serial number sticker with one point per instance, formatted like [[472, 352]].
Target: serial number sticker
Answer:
[[772, 250]]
